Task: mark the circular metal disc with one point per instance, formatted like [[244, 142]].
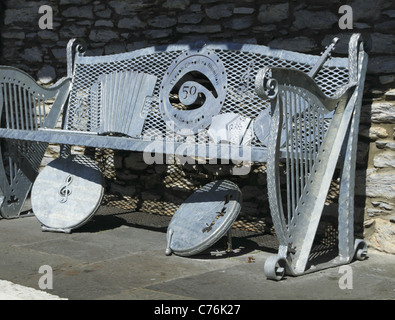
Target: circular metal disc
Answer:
[[67, 192], [204, 218]]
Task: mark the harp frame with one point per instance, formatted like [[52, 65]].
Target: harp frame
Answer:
[[296, 229], [23, 107]]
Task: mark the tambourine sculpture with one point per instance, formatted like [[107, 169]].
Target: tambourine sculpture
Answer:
[[204, 218]]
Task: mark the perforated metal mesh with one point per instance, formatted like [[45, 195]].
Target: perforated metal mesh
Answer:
[[241, 68]]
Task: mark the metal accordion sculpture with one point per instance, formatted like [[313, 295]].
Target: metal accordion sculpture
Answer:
[[118, 99]]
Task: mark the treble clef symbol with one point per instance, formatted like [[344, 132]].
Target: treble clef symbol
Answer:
[[246, 77], [64, 190]]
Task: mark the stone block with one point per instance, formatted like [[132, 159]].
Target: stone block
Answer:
[[103, 13], [299, 44], [73, 31], [383, 43], [103, 35], [243, 10], [202, 29], [220, 11], [59, 54], [176, 4], [46, 74], [390, 95], [20, 16], [239, 23], [381, 185], [104, 23], [367, 10], [380, 234], [389, 13], [381, 64], [20, 35], [315, 20], [385, 145], [127, 8], [386, 26], [80, 12], [383, 112], [383, 205], [76, 2], [272, 13], [387, 79], [162, 21], [132, 23], [33, 54], [192, 18], [385, 159], [373, 133], [158, 33], [115, 48]]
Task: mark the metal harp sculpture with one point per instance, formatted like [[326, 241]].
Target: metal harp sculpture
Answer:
[[310, 155], [24, 106]]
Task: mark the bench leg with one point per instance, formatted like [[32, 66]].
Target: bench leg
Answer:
[[65, 150], [346, 199], [229, 247], [348, 247], [169, 236]]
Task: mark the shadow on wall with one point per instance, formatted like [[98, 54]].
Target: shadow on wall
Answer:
[[1, 26], [362, 162]]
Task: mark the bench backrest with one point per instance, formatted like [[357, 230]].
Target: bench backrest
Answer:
[[193, 85]]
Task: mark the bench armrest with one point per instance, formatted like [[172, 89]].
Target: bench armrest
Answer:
[[24, 108], [22, 100]]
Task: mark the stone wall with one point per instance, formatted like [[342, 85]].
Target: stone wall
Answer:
[[305, 26]]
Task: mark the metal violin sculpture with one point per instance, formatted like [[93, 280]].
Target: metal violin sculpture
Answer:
[[324, 56]]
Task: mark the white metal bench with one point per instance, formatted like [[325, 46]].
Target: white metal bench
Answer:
[[245, 103]]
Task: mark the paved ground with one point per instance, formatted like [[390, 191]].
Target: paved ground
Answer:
[[122, 256]]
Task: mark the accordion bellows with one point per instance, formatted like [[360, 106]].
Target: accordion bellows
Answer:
[[119, 99]]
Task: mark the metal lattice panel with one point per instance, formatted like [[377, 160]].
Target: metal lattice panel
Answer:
[[241, 66], [87, 74]]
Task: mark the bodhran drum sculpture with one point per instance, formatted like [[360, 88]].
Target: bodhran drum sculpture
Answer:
[[66, 193], [203, 218]]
